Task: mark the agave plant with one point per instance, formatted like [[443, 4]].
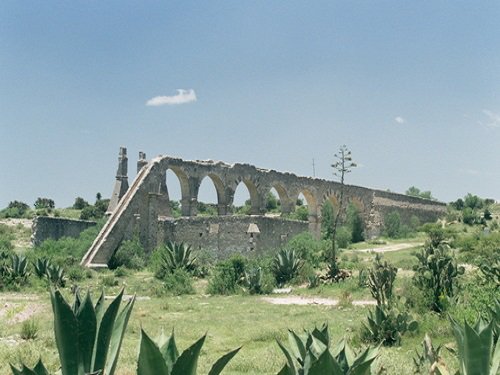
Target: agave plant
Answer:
[[88, 337], [40, 266], [163, 358], [39, 369], [253, 280], [286, 265], [55, 275], [387, 325], [430, 361], [177, 255], [310, 354], [20, 266], [476, 351]]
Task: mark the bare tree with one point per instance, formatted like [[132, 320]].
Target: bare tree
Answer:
[[343, 164]]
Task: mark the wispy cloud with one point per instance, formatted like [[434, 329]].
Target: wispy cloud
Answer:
[[493, 119], [400, 120], [182, 97]]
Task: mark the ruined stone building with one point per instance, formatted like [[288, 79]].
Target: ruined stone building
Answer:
[[143, 208]]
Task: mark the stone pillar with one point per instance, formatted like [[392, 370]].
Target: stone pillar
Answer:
[[315, 226], [142, 161], [121, 183]]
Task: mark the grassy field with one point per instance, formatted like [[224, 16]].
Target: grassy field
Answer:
[[230, 321]]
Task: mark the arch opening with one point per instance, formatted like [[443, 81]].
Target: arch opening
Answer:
[[245, 201], [177, 189], [210, 195]]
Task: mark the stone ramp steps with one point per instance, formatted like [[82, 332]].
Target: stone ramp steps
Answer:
[[101, 238]]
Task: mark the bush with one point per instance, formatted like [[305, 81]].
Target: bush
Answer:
[[392, 225], [179, 282], [130, 255], [45, 203], [6, 238], [15, 209], [307, 248], [344, 237], [67, 251], [227, 275], [29, 329], [76, 273]]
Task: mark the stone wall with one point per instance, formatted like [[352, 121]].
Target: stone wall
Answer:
[[45, 227], [225, 235]]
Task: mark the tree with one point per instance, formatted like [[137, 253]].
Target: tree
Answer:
[[80, 203], [341, 167], [44, 203]]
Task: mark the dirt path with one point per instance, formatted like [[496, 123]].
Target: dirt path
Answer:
[[389, 248], [300, 300]]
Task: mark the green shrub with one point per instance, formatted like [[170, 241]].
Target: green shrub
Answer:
[[120, 272], [130, 255], [29, 329], [109, 281], [227, 275], [344, 237], [76, 273], [67, 251], [477, 296], [6, 237], [179, 282], [307, 248], [16, 209]]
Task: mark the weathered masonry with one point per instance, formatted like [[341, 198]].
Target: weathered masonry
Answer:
[[144, 208]]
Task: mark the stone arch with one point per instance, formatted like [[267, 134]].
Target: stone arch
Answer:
[[219, 189], [255, 200], [183, 179], [287, 204]]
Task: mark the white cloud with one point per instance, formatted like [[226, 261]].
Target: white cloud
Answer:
[[182, 97], [400, 120], [493, 120]]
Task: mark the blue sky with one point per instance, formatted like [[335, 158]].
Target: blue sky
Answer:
[[411, 87]]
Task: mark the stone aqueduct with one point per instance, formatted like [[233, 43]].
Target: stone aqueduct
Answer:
[[142, 207]]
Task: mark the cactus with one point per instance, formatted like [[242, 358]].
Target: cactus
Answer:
[[491, 271], [310, 354], [387, 325], [381, 281], [436, 273], [286, 265], [163, 358]]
